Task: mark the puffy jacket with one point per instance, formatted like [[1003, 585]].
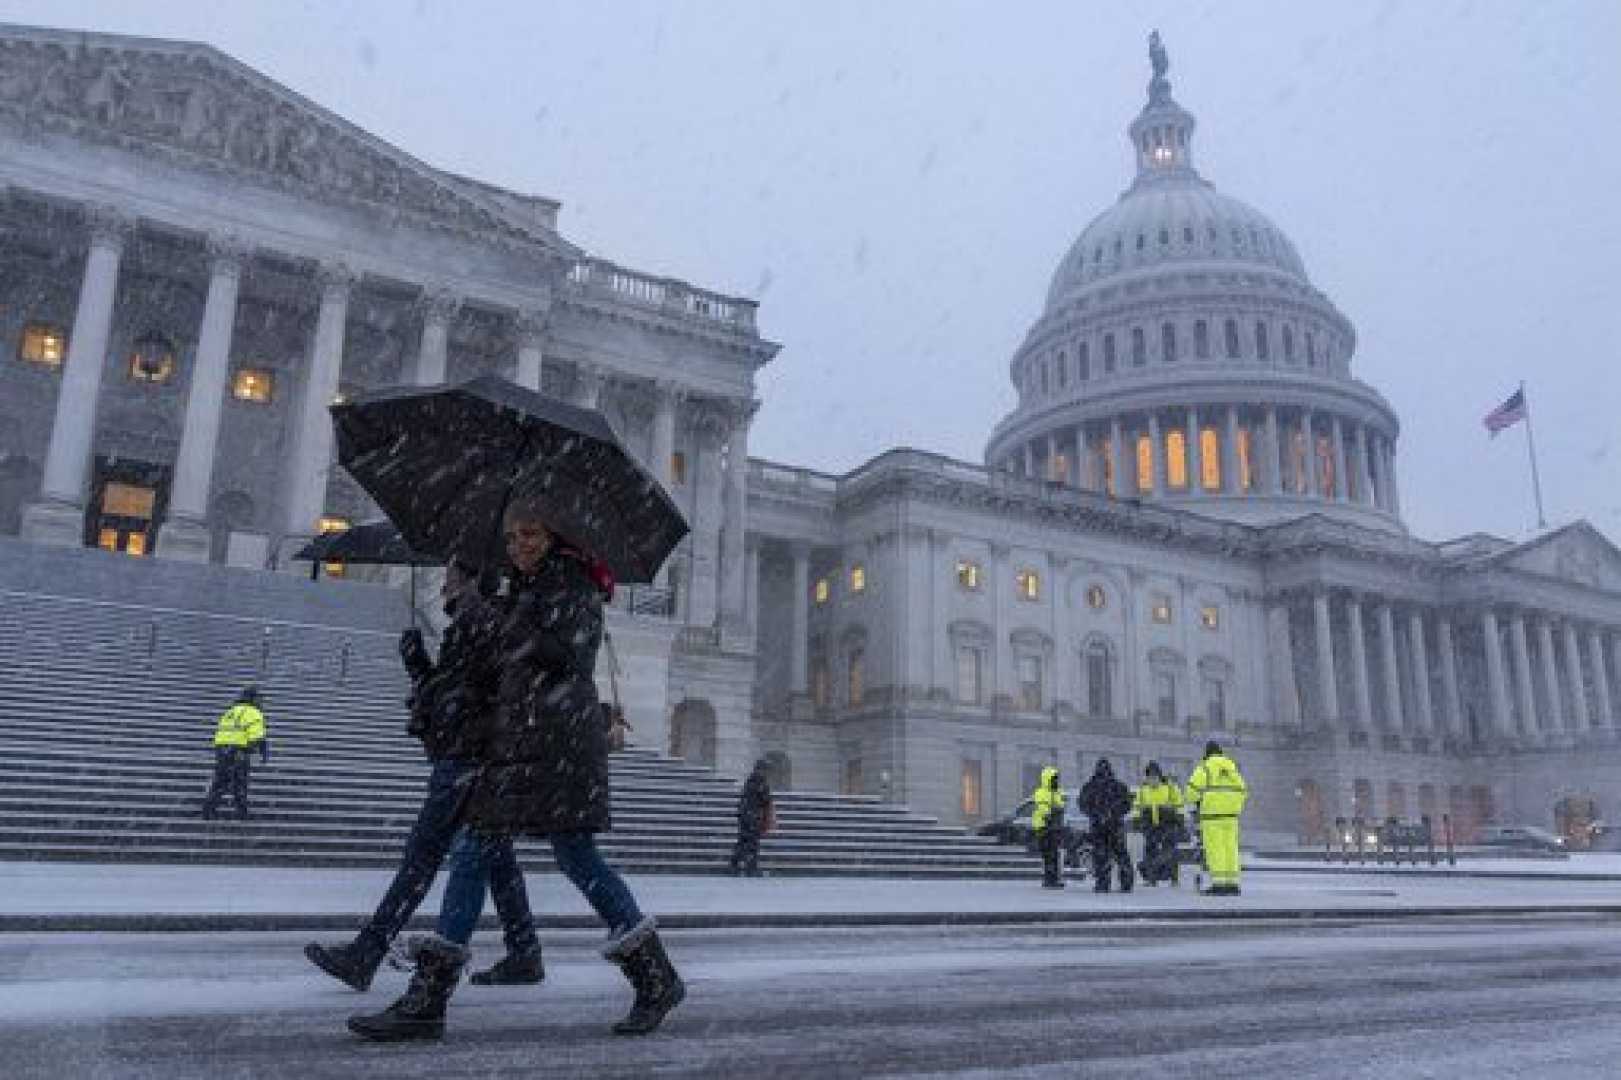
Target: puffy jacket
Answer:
[[1217, 789], [1049, 798], [242, 725], [450, 699], [1158, 804], [754, 806], [1105, 799]]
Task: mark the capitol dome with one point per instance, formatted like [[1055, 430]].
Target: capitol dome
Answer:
[[1184, 356]]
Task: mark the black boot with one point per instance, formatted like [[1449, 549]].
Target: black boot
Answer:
[[420, 1013], [519, 967], [641, 956], [353, 964]]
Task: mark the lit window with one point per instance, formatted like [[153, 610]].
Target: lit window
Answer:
[[43, 343], [678, 468], [1029, 584], [1161, 610], [252, 384], [332, 524], [858, 578], [1210, 617], [128, 501], [823, 590], [107, 539], [1145, 463], [973, 786], [152, 360], [1060, 467], [969, 574], [1210, 459], [1096, 598], [1176, 459], [1246, 467], [135, 544]]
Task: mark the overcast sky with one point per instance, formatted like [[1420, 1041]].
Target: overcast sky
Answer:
[[897, 181]]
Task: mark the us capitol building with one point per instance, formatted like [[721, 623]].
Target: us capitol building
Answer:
[[1189, 526]]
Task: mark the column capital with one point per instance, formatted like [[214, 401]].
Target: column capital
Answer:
[[670, 390], [438, 304], [227, 253], [110, 226], [529, 326], [336, 279]]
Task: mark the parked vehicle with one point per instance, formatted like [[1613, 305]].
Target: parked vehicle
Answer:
[[1521, 838]]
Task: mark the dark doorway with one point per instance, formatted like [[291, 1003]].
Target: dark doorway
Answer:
[[128, 499]]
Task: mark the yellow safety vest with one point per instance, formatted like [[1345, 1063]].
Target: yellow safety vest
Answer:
[[1155, 799], [241, 725], [1217, 788], [1048, 798]]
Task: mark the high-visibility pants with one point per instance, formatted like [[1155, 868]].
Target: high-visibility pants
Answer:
[[1220, 837]]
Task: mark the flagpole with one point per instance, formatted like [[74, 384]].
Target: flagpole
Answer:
[[1531, 445]]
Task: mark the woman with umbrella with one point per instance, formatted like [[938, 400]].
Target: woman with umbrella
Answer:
[[545, 772]]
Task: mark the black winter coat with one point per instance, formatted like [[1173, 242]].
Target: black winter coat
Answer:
[[545, 760], [1105, 799], [755, 803], [450, 698]]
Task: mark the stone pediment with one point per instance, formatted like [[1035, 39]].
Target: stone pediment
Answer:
[[199, 108], [1578, 553]]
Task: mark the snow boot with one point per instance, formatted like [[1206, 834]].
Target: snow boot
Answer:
[[420, 1012], [641, 956], [354, 964], [519, 967]]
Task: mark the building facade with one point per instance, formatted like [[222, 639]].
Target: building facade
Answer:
[[1189, 526]]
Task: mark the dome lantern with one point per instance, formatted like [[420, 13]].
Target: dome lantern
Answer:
[[1162, 134]]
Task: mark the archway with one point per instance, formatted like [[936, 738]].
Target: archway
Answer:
[[692, 732]]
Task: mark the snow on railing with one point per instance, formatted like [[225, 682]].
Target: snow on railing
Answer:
[[603, 278]]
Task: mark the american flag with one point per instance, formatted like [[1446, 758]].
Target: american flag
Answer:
[[1507, 414]]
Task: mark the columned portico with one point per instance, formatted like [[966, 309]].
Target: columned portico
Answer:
[[58, 516], [184, 534], [438, 307], [311, 460]]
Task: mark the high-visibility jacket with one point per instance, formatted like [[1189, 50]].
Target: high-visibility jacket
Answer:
[[1049, 797], [241, 725], [1157, 802], [1217, 789]]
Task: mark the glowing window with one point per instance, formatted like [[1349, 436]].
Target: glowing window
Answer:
[[858, 578], [332, 524], [1210, 459], [823, 590], [43, 343], [1210, 617], [1145, 463], [1160, 610], [252, 384], [678, 467], [973, 786], [1096, 598], [152, 360], [135, 544], [969, 574], [1246, 467], [1028, 584], [107, 539], [128, 501], [1059, 467], [1176, 459]]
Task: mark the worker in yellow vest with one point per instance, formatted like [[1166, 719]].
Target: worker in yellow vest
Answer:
[[1158, 806], [1218, 792], [240, 732], [1047, 822]]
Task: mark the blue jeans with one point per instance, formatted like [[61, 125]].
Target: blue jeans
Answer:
[[577, 857]]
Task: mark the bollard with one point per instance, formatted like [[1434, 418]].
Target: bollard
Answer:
[[343, 662], [1446, 828]]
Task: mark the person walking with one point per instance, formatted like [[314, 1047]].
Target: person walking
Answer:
[[1217, 791], [240, 731], [543, 771], [756, 816], [1107, 801], [449, 703], [1158, 807], [1047, 820]]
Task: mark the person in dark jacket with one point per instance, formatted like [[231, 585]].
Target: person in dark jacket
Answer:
[[1106, 802], [755, 812], [544, 772], [448, 703]]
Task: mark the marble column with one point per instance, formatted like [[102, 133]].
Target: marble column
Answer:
[[1422, 710], [1390, 471], [1001, 584], [1327, 681], [751, 582], [1342, 485], [311, 459], [735, 521], [1082, 473], [1156, 457], [1522, 676], [184, 535], [1394, 720], [799, 638], [1272, 473], [1117, 460], [1281, 654], [1364, 473], [1194, 458], [1029, 460], [1554, 719], [1232, 479], [438, 308], [1496, 682], [708, 501], [587, 386], [1605, 717], [1615, 664], [666, 399], [531, 330], [1052, 458], [58, 517], [1308, 436], [1451, 703], [1359, 663], [1576, 692]]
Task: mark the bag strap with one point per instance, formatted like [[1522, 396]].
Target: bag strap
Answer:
[[613, 669]]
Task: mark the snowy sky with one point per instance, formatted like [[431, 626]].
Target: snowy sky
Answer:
[[896, 182]]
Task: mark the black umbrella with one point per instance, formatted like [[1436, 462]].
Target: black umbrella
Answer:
[[374, 543], [444, 463]]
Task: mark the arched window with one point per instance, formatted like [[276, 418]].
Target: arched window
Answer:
[[1139, 347], [1230, 332], [1262, 351], [1083, 362], [1176, 459], [1099, 682], [1167, 341], [1063, 371], [1210, 459], [1288, 344], [1311, 349], [1145, 463], [1201, 340], [1044, 377], [1108, 354]]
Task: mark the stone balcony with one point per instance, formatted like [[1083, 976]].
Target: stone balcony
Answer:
[[601, 279]]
